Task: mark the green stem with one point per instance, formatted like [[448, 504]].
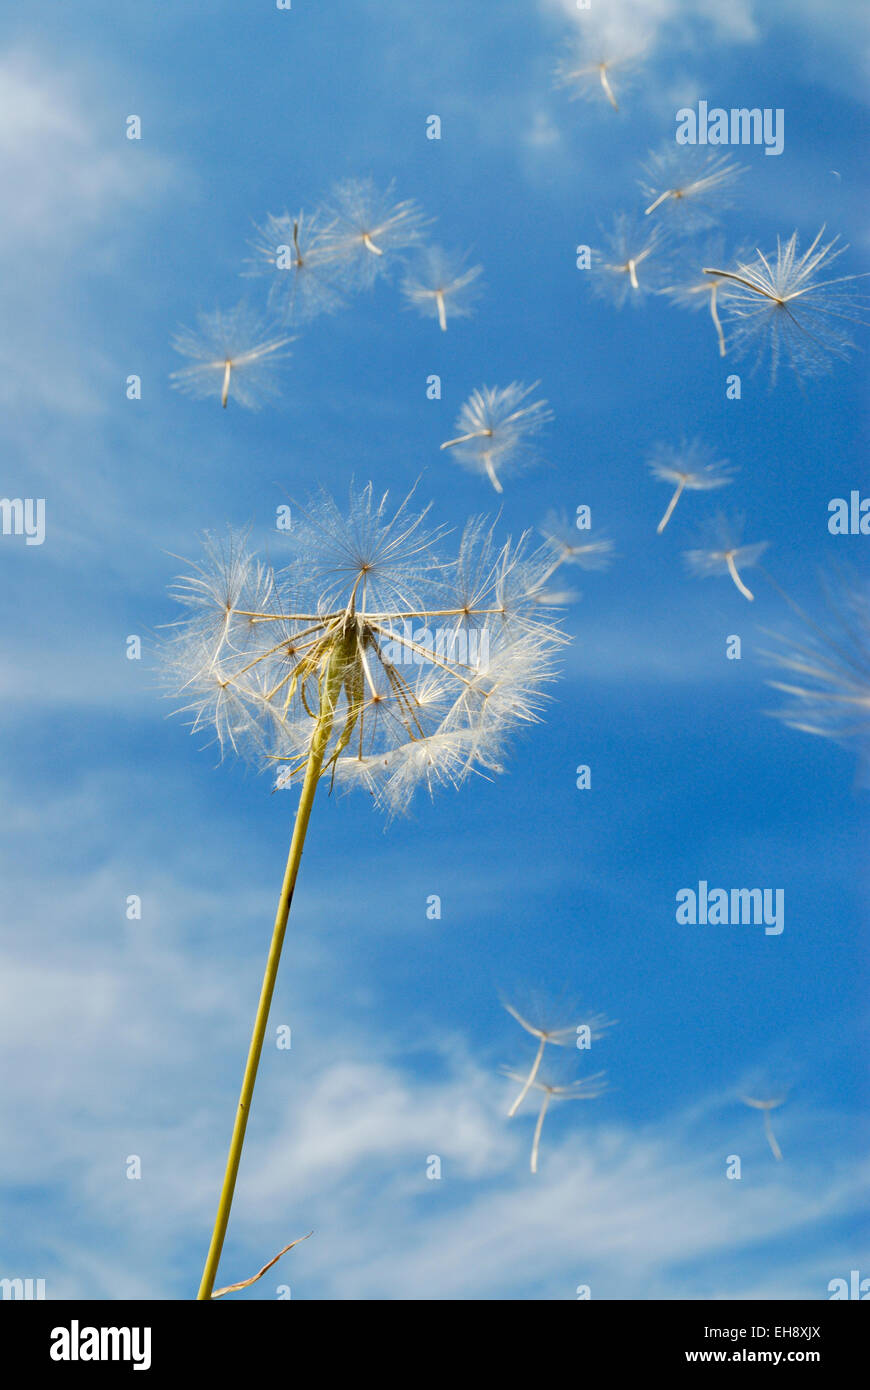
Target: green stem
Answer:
[[329, 694]]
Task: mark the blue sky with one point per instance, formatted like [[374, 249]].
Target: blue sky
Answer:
[[129, 1037]]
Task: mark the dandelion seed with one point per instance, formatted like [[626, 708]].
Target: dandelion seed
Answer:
[[496, 430], [569, 549], [781, 307], [724, 554], [827, 674], [693, 466], [440, 283], [590, 1088], [369, 660], [537, 1020], [368, 228], [632, 264], [700, 290], [302, 264], [592, 69], [230, 349], [689, 183], [767, 1106]]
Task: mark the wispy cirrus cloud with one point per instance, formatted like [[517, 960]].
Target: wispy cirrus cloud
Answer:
[[72, 183], [125, 1043], [832, 42], [68, 169], [644, 22]]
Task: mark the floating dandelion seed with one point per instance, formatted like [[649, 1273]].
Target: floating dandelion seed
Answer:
[[368, 227], [591, 70], [302, 264], [700, 290], [496, 430], [767, 1106], [631, 265], [563, 1035], [828, 673], [689, 183], [779, 306], [692, 465], [589, 1088], [370, 660], [570, 549], [724, 554], [440, 282], [230, 349]]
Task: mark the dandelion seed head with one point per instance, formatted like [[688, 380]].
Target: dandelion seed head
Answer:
[[227, 582], [384, 553], [427, 663], [444, 759]]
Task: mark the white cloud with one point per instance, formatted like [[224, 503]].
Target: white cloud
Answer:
[[642, 21], [833, 39], [127, 1039], [543, 134], [70, 181], [65, 162]]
